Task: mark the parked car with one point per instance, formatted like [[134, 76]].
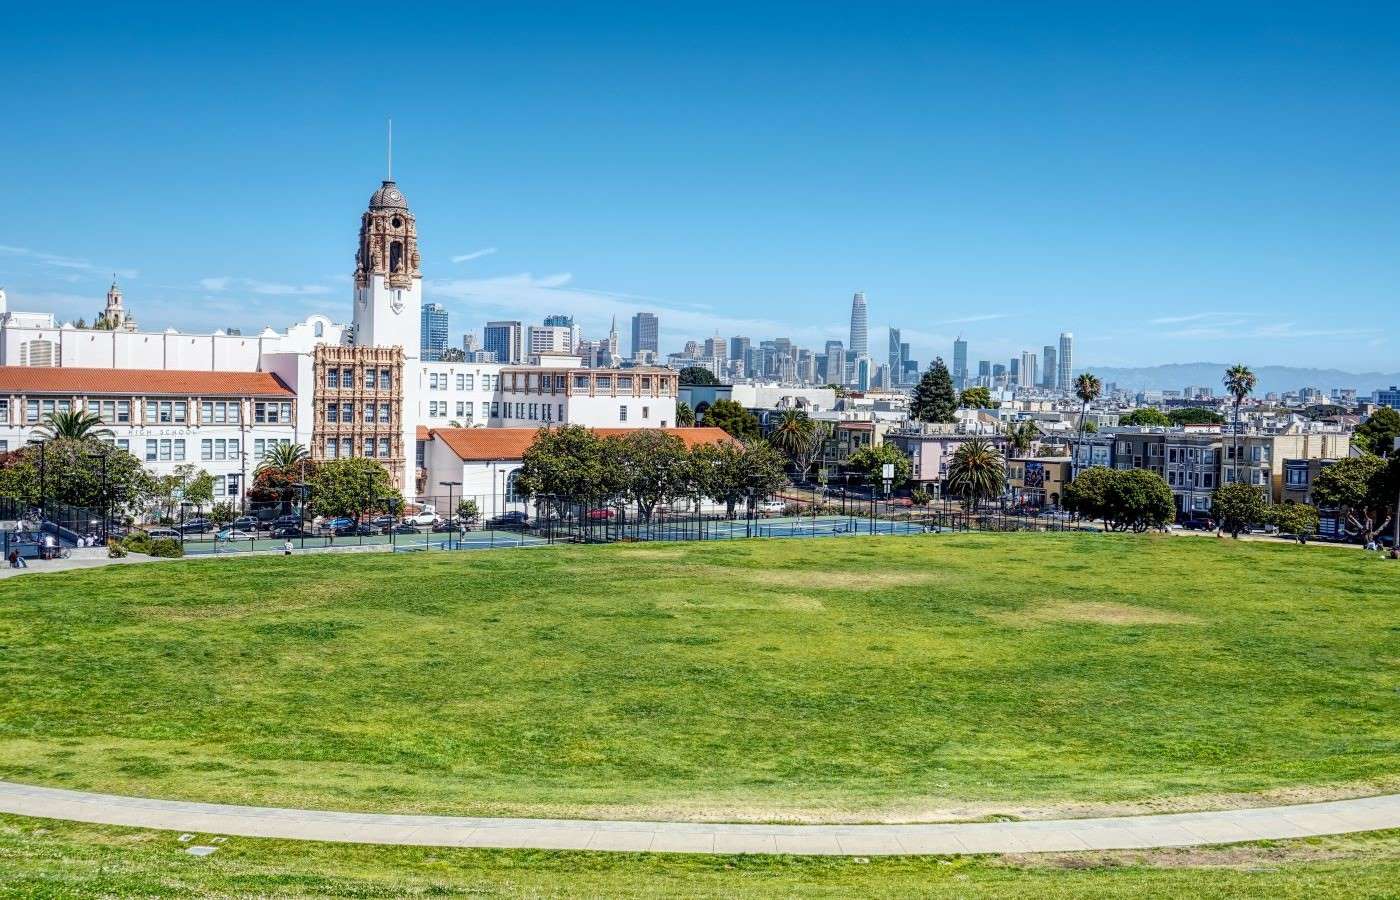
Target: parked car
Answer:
[[234, 534], [246, 523], [155, 533], [194, 526], [422, 517], [383, 522], [514, 519], [601, 514], [287, 521], [442, 525], [288, 531], [1198, 524], [405, 528], [772, 507], [336, 525]]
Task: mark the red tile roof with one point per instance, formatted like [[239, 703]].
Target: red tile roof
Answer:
[[130, 382], [511, 443]]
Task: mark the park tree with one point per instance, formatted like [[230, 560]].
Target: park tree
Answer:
[[800, 438], [571, 463], [1237, 505], [697, 375], [1294, 518], [223, 513], [351, 486], [70, 471], [1087, 388], [652, 466], [1364, 488], [1378, 433], [870, 462], [976, 472], [975, 398], [685, 416], [283, 456], [1239, 381], [1318, 411], [733, 418], [1144, 417], [727, 472], [1125, 499], [453, 354], [1195, 415], [934, 398]]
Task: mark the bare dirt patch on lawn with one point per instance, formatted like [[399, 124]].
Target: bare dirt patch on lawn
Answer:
[[1095, 612], [836, 579]]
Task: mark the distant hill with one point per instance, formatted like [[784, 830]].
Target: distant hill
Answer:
[[1278, 379]]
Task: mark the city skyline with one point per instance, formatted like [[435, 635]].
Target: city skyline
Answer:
[[1164, 220]]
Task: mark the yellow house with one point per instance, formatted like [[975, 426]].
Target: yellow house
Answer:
[[1039, 481]]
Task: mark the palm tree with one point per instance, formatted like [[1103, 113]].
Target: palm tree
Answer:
[[1087, 388], [975, 472], [1239, 381], [75, 425], [793, 434], [282, 456]]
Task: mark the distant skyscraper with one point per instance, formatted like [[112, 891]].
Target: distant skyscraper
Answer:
[[559, 321], [1028, 368], [433, 340], [895, 359], [984, 368], [835, 363], [1014, 372], [1048, 368], [864, 373], [506, 339], [645, 334], [960, 362], [859, 345], [1066, 360]]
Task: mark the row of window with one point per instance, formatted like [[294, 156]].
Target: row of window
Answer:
[[439, 381], [157, 412], [343, 448], [369, 412], [373, 379]]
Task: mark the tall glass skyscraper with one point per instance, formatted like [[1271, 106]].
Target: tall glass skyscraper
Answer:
[[505, 339], [645, 334], [1049, 369], [859, 345], [433, 332], [960, 363], [1066, 360], [895, 359]]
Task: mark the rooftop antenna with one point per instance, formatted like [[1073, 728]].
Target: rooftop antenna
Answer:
[[391, 150]]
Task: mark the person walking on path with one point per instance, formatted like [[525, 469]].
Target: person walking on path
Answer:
[[287, 548]]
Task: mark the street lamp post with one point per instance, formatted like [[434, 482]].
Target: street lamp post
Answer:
[[451, 510], [101, 456]]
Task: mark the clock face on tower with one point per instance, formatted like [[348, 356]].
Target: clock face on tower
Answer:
[[395, 195]]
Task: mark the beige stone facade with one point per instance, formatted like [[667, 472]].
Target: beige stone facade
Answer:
[[358, 406]]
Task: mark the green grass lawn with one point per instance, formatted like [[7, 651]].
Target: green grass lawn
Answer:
[[40, 858], [846, 679]]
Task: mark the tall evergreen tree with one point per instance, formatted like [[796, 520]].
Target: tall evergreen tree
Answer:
[[934, 398]]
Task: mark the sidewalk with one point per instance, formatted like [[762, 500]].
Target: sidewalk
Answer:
[[1116, 833]]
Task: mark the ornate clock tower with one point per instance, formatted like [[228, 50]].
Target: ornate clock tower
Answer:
[[388, 281]]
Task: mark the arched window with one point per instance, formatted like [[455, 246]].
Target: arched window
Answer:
[[511, 495], [320, 329], [396, 256]]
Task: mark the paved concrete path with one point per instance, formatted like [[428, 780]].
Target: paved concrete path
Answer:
[[1120, 833]]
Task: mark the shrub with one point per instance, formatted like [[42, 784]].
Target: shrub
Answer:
[[166, 548], [115, 550], [920, 497], [138, 542]]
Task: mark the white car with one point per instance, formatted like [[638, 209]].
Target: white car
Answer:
[[424, 517], [772, 507]]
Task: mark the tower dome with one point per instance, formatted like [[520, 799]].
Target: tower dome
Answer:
[[388, 197]]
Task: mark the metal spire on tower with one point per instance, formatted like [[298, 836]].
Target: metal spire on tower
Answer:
[[390, 176]]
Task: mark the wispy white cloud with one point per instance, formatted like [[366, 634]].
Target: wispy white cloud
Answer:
[[215, 284], [274, 289], [475, 254], [57, 261], [989, 317]]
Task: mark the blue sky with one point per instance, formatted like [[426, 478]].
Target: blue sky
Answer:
[[1194, 182]]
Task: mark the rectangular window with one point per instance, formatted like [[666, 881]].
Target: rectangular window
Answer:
[[461, 382], [546, 411], [333, 378], [581, 381], [123, 412], [622, 416], [604, 382], [384, 412], [206, 448], [385, 382], [231, 485], [181, 410], [347, 412], [534, 411], [369, 412], [260, 448], [369, 446], [179, 450], [347, 447], [467, 409], [384, 448], [150, 407], [333, 412], [466, 382], [646, 382], [495, 409], [167, 413], [152, 449], [31, 410], [330, 448], [624, 382], [371, 379], [347, 378], [646, 412], [94, 408], [561, 412]]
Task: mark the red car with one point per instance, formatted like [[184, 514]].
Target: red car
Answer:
[[599, 515]]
